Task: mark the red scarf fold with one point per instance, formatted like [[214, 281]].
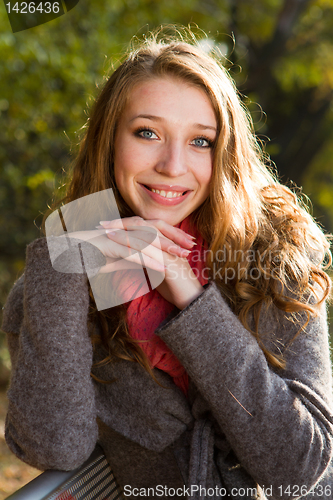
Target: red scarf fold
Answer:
[[147, 312]]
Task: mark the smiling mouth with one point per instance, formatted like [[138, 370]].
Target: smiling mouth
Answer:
[[166, 194]]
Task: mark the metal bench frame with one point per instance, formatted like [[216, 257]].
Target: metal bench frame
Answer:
[[94, 480]]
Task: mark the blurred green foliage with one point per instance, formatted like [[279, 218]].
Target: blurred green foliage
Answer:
[[280, 53]]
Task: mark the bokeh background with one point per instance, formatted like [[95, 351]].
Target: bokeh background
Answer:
[[280, 52]]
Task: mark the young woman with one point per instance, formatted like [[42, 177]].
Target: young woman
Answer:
[[217, 382]]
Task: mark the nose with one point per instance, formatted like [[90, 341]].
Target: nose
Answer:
[[172, 160]]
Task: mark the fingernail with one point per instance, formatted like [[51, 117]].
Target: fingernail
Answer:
[[190, 242], [109, 231], [190, 236], [186, 253], [104, 222]]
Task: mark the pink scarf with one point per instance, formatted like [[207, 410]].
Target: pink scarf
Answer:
[[147, 312]]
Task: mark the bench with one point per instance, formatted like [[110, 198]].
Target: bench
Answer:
[[94, 480]]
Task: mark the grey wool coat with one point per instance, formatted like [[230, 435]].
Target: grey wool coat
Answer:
[[244, 423]]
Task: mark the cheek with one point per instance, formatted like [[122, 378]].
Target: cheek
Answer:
[[120, 177], [122, 165], [128, 160], [205, 175], [117, 171]]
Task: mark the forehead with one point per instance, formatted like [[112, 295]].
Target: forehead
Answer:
[[171, 99]]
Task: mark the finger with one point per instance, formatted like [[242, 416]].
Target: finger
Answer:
[[131, 244], [127, 264], [130, 247], [84, 235], [175, 234], [161, 242], [123, 248]]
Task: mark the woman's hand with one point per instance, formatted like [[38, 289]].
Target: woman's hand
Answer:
[[170, 249]]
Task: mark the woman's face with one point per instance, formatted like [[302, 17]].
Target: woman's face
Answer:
[[163, 149]]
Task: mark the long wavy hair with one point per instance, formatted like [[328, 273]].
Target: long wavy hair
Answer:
[[273, 251]]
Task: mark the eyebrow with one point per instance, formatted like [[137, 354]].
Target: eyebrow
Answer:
[[160, 119]]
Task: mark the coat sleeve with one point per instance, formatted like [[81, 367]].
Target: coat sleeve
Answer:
[[278, 422], [51, 420]]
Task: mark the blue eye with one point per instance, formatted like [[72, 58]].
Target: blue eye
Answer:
[[202, 142], [146, 133]]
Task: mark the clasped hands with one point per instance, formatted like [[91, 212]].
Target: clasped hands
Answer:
[[133, 243]]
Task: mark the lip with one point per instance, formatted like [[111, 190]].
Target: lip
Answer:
[[165, 187], [161, 199]]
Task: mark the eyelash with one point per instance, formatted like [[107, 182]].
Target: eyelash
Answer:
[[209, 141], [147, 129], [143, 129]]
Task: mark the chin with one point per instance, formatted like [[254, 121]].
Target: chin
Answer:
[[164, 215]]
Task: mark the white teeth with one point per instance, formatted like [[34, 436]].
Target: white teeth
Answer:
[[167, 194]]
